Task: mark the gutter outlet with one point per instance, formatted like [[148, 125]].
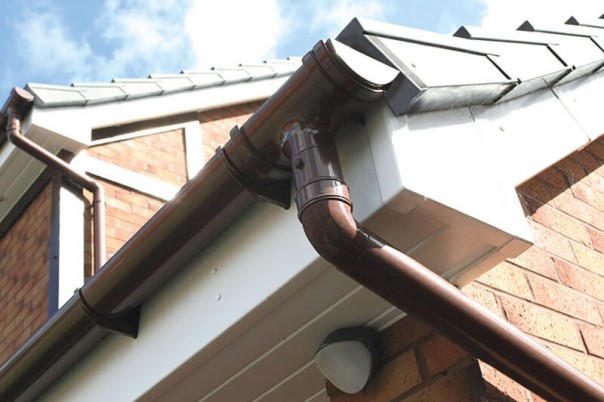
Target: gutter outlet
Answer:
[[325, 211]]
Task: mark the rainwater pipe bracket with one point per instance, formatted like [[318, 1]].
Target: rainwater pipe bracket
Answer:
[[253, 171], [125, 324]]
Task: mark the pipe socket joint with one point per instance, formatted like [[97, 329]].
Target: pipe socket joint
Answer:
[[315, 166]]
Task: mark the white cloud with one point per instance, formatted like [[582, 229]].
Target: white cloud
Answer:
[[512, 13], [46, 47], [333, 16], [229, 32], [145, 33]]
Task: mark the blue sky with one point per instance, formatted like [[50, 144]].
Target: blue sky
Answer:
[[65, 41]]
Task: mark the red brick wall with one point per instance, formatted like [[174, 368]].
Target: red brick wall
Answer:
[[217, 124], [126, 212], [161, 156], [24, 267], [554, 292]]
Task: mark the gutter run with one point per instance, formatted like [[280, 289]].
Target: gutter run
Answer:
[[256, 163], [19, 103]]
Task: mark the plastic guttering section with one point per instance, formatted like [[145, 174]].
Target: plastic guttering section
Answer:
[[250, 166]]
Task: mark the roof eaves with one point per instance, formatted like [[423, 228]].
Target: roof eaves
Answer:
[[55, 95], [138, 88], [99, 93], [121, 89], [475, 66]]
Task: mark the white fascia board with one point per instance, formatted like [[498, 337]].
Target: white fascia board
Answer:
[[472, 158], [583, 99], [190, 315], [78, 122]]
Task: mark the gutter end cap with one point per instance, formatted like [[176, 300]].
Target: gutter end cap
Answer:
[[369, 69]]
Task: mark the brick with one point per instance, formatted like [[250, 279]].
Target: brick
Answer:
[[596, 149], [542, 323], [597, 241], [395, 378], [572, 171], [589, 258], [554, 243], [440, 354], [566, 202], [500, 387], [554, 179], [401, 336], [483, 296], [536, 189], [24, 274], [580, 279], [589, 195], [462, 385], [553, 295], [587, 160], [562, 223], [591, 366], [507, 278], [593, 336]]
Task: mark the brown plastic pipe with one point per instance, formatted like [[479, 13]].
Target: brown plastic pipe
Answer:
[[325, 211], [249, 167], [22, 100]]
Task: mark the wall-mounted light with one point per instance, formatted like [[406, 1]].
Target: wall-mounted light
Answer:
[[347, 357]]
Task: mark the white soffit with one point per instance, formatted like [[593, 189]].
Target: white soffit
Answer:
[[231, 325]]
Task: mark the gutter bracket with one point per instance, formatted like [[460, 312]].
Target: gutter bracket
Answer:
[[124, 324], [241, 156]]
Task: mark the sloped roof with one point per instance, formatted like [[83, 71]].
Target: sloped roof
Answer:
[[120, 89], [477, 65]]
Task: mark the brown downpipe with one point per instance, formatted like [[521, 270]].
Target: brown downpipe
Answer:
[[325, 210], [22, 100]]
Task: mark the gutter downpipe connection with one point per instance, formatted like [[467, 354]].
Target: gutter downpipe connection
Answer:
[[325, 211], [21, 101], [252, 166]]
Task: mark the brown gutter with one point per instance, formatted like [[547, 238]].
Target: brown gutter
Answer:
[[325, 210], [20, 102], [250, 166]]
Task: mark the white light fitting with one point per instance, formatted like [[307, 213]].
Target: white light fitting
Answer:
[[347, 357]]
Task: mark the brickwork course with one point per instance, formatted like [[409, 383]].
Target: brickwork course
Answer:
[[24, 266], [554, 292]]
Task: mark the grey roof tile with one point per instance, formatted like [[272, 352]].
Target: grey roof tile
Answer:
[[81, 94], [592, 22], [55, 95], [477, 65], [99, 93]]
